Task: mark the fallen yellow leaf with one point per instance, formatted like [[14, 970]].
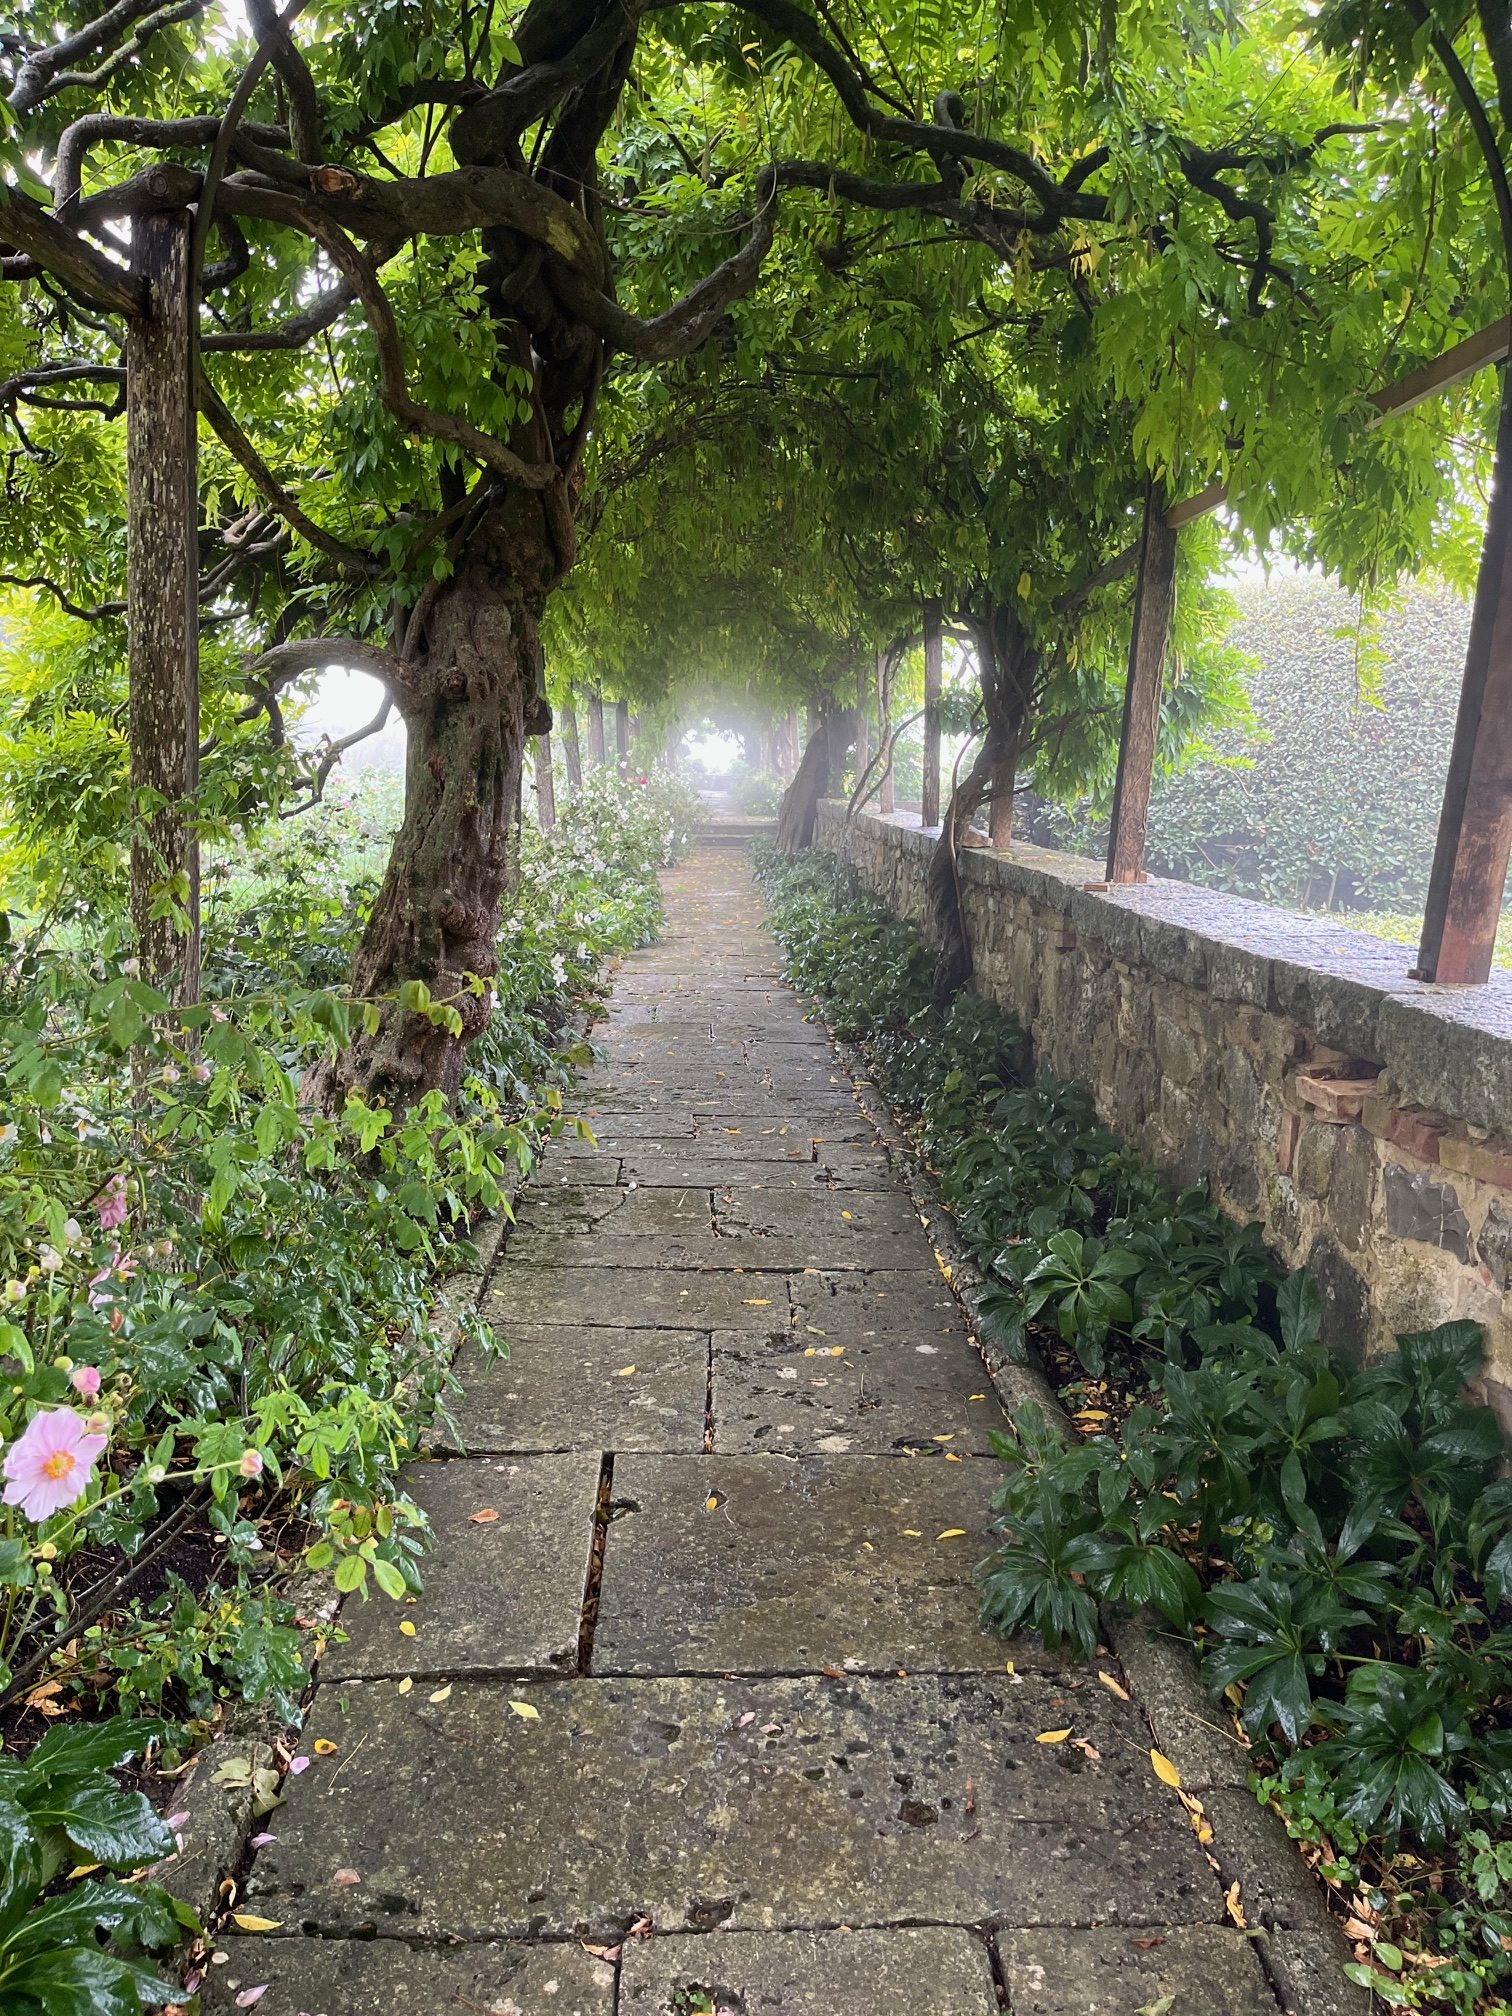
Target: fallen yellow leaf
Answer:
[[624, 1372], [1165, 1770], [441, 1693], [487, 1516], [952, 1533], [1113, 1687], [912, 1533], [712, 1504], [251, 1923], [405, 1684], [407, 1628], [757, 1301], [1052, 1736], [324, 1747], [526, 1710]]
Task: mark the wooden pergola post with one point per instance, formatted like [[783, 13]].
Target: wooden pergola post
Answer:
[[572, 753], [886, 795], [929, 803], [1469, 874], [1154, 602], [596, 746], [162, 602], [545, 784]]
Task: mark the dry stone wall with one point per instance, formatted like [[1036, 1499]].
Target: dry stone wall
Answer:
[[1365, 1120]]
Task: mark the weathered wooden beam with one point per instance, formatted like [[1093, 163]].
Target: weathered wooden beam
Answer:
[[1469, 874], [929, 803], [1487, 346], [82, 268], [1154, 602], [162, 630]]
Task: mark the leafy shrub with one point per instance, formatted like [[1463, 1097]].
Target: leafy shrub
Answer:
[[226, 1298], [61, 1806], [1335, 1538]]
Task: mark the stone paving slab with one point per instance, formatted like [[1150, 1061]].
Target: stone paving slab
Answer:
[[925, 1970], [774, 1025], [646, 1298], [384, 1977], [1206, 1970], [755, 1146], [786, 1392], [564, 1386], [844, 1166], [756, 1564], [801, 1804], [502, 1594], [816, 1111], [896, 1301], [699, 1246], [815, 1214], [612, 1212]]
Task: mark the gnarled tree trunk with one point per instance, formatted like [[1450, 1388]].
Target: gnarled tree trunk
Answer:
[[834, 730], [1008, 667], [470, 699]]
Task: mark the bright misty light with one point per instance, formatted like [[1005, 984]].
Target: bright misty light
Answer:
[[718, 754]]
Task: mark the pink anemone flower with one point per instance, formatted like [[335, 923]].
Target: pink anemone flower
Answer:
[[50, 1464]]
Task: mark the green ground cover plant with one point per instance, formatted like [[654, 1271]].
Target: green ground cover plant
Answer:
[[217, 1330], [1334, 1539]]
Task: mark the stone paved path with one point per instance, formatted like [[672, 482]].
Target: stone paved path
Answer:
[[698, 1650]]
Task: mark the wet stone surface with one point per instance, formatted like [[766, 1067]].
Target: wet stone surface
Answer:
[[790, 1754], [384, 1977], [504, 1581], [752, 1564], [565, 1386], [746, 1803], [1208, 1968], [795, 1393], [907, 1971]]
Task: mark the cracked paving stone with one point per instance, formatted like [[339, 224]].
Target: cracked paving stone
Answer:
[[845, 1166], [751, 1804], [658, 1149], [384, 1977], [923, 1970], [1207, 1970], [642, 1298], [790, 1393], [816, 1214], [564, 1386], [748, 1564], [899, 1301], [502, 1593], [616, 1213]]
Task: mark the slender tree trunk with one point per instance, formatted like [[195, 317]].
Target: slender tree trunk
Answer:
[[162, 622], [545, 783], [622, 736], [863, 721], [791, 745], [596, 746], [572, 752], [929, 803], [470, 703], [823, 756]]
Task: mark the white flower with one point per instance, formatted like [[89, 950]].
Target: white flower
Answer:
[[73, 1232], [49, 1259]]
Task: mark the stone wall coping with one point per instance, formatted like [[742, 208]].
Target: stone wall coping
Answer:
[[1449, 1049]]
